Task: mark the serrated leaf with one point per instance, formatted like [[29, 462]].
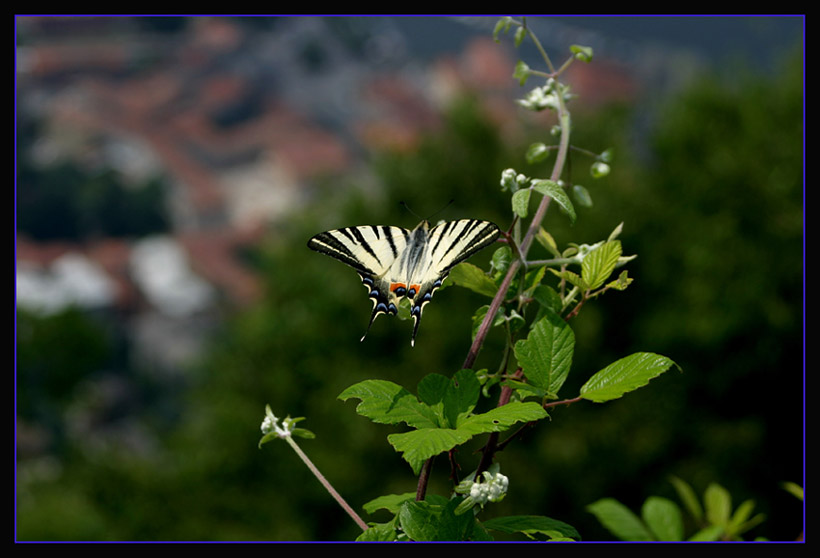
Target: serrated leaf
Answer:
[[422, 521], [431, 390], [556, 192], [599, 264], [501, 418], [526, 390], [663, 517], [571, 278], [546, 354], [521, 202], [624, 375], [417, 446], [378, 532], [472, 277], [461, 396], [389, 502], [531, 525], [388, 403], [547, 298]]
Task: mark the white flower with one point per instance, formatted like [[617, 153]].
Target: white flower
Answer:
[[271, 424]]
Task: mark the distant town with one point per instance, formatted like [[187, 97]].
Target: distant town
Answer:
[[237, 117]]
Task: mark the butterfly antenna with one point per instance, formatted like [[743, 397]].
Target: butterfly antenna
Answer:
[[448, 204], [407, 207]]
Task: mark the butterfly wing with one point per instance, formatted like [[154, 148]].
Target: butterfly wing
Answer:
[[371, 250], [448, 244], [394, 262]]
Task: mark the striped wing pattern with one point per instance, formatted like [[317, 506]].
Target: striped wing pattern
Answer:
[[394, 262]]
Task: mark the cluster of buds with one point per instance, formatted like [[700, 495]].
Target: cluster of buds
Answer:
[[491, 486]]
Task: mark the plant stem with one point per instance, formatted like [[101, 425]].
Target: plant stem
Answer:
[[498, 299], [341, 501]]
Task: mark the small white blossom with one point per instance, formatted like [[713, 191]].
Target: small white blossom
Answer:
[[271, 424], [540, 98]]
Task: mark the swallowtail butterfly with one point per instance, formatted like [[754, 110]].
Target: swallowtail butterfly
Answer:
[[394, 262]]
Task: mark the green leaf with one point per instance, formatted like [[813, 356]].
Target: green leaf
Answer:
[[571, 278], [501, 418], [619, 520], [501, 259], [688, 497], [546, 354], [583, 53], [556, 192], [663, 517], [548, 298], [521, 202], [708, 533], [794, 489], [622, 282], [533, 278], [740, 517], [389, 502], [388, 403], [417, 446], [461, 395], [423, 521], [378, 532], [581, 195], [532, 525], [537, 152], [431, 390], [624, 375], [599, 264], [546, 240], [520, 35], [478, 318], [526, 390], [718, 504], [501, 26], [522, 72], [472, 277]]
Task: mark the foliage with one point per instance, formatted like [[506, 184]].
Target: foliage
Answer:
[[442, 413], [662, 519], [720, 288]]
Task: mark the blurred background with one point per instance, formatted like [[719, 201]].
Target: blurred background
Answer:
[[170, 171]]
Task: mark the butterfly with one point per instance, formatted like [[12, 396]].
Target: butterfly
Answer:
[[394, 262]]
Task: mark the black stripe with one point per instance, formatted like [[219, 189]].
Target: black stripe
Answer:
[[327, 243], [388, 234], [364, 244]]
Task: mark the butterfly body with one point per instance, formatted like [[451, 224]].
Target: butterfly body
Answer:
[[394, 262]]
